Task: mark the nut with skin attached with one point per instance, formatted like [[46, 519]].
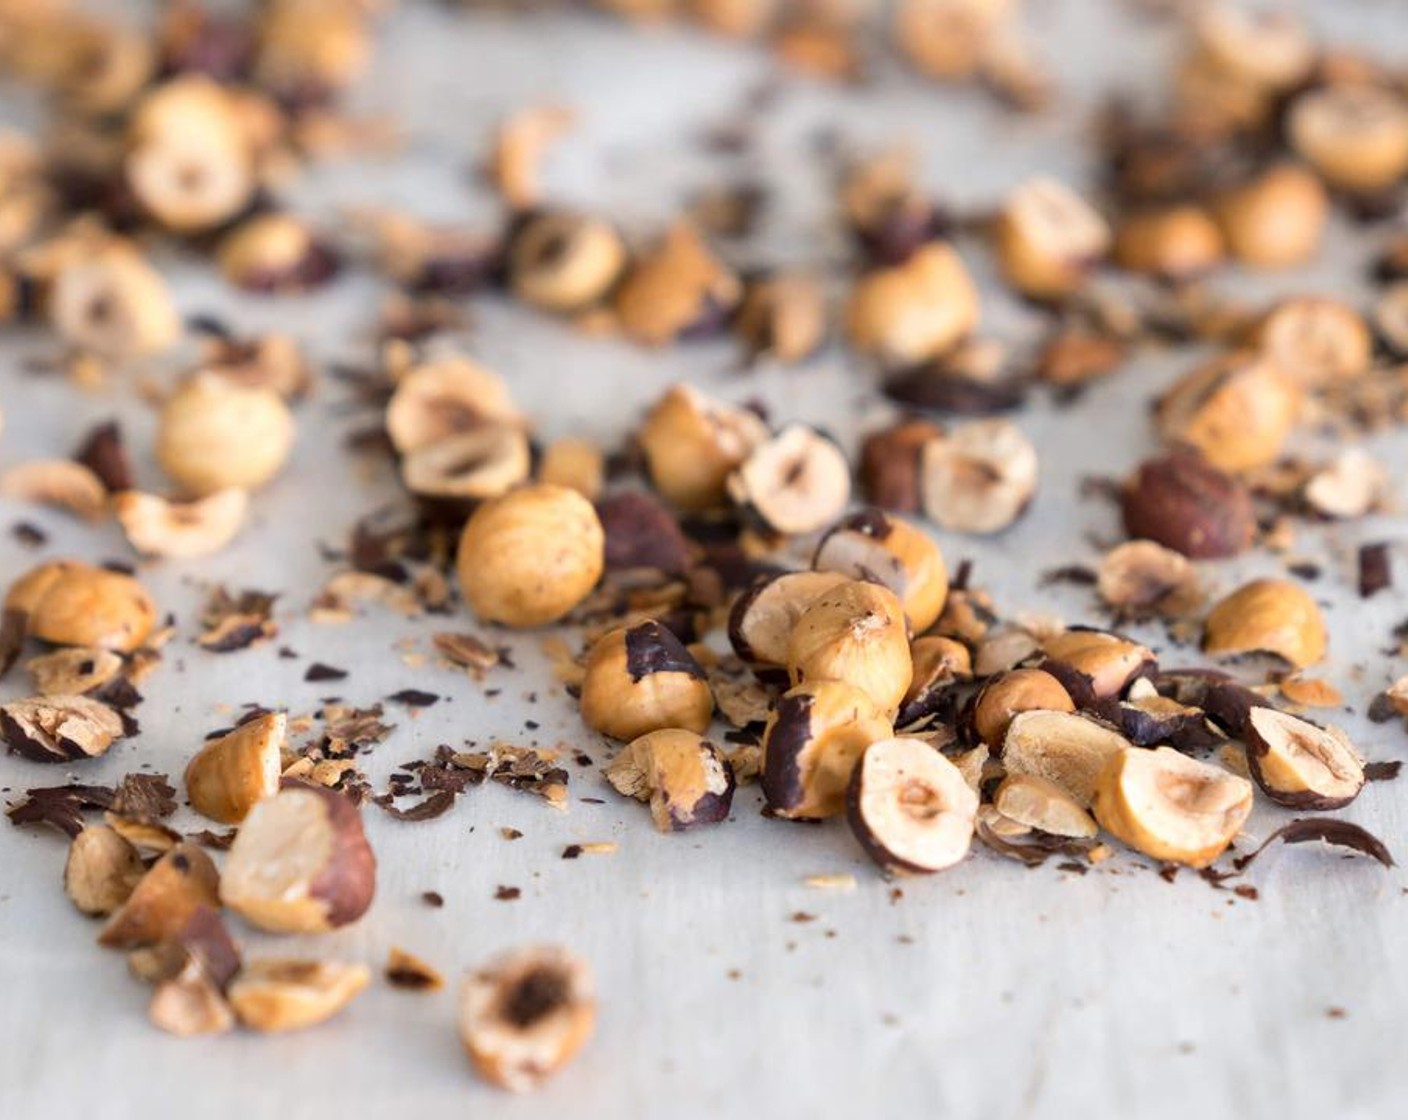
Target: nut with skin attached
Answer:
[[300, 863], [71, 603], [231, 774], [178, 884], [1176, 243], [1004, 697], [1354, 135], [1043, 805], [675, 289], [102, 870], [75, 671], [640, 679], [1066, 749], [870, 545], [156, 526], [686, 779], [527, 558], [1171, 807], [1048, 238], [783, 317], [939, 663], [1268, 616], [1183, 502], [692, 444], [854, 633], [910, 807], [276, 253], [286, 995], [762, 618], [1277, 220], [1299, 765], [796, 482], [1316, 340], [214, 434], [1237, 409], [565, 262], [59, 728], [979, 477], [814, 736], [436, 400], [525, 1014], [1265, 47], [1104, 663], [916, 310]]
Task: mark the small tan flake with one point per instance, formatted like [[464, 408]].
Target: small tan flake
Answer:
[[346, 591], [834, 881], [466, 651], [409, 973], [1311, 692]]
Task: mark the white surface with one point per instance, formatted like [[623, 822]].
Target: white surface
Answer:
[[987, 991]]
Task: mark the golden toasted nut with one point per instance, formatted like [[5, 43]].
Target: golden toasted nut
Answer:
[[916, 310], [577, 464], [1267, 47], [439, 399], [1043, 805], [1048, 238], [178, 884], [1237, 409], [854, 633], [469, 467], [691, 445], [1176, 243], [796, 482], [155, 526], [1355, 135], [640, 679], [872, 545], [231, 774], [948, 39], [910, 807], [675, 289], [102, 870], [686, 779], [1268, 616], [1300, 765], [979, 477], [1105, 663], [60, 728], [1003, 697], [762, 618], [565, 262], [72, 604], [1141, 578], [288, 995], [1276, 220], [73, 672], [216, 435], [276, 253], [1067, 750], [1316, 341]]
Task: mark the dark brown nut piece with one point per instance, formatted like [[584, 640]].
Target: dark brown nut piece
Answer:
[[889, 214], [938, 663], [1185, 503], [889, 464], [577, 464], [677, 289], [1276, 220], [178, 884], [1176, 243], [410, 973], [1351, 486], [520, 142], [783, 317], [1171, 807], [854, 633], [525, 1014], [979, 477], [910, 807], [1390, 316], [60, 483], [813, 739], [564, 263], [300, 863], [529, 557], [642, 533], [1268, 616], [1066, 749], [214, 435], [108, 300], [1148, 719], [288, 995], [692, 444], [59, 728], [155, 526], [73, 672], [73, 604], [914, 311], [1004, 697], [796, 482], [1048, 238], [102, 870], [1265, 47], [1316, 341], [1237, 409], [1142, 578], [1354, 135], [469, 467], [1230, 705], [640, 679], [1107, 663], [870, 545], [684, 777], [1037, 803], [1300, 765], [230, 775], [762, 619], [439, 399], [276, 253]]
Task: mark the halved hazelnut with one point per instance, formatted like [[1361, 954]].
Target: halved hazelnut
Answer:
[[60, 483], [519, 145], [979, 477], [814, 736], [59, 728], [870, 545], [524, 1014], [1355, 135], [783, 317], [1148, 719], [1065, 749], [276, 253], [288, 995], [1351, 486], [1048, 238], [102, 870], [913, 311], [692, 444], [74, 672], [1185, 503], [1174, 243], [684, 777], [1268, 616], [854, 633], [1300, 765], [469, 467], [300, 863], [230, 775], [640, 679], [1237, 410], [110, 301], [910, 807], [564, 262], [178, 884], [1142, 578], [1276, 220], [215, 434], [1316, 340], [1170, 806], [442, 398], [1043, 805], [677, 288], [155, 526], [1104, 663], [889, 464], [796, 482], [762, 619]]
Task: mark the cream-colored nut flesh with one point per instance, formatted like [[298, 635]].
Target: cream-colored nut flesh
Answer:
[[910, 807], [1066, 749], [233, 773], [287, 995]]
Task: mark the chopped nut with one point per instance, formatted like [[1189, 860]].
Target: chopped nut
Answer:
[[1354, 135], [796, 482], [676, 289], [1349, 487], [783, 317], [102, 870], [518, 148], [1065, 749], [1237, 410], [979, 477], [1037, 803], [1268, 616], [215, 434], [1104, 664], [73, 672], [190, 1004], [854, 633], [1048, 238], [890, 464], [916, 310], [164, 899], [762, 619], [231, 774], [59, 728], [1185, 503], [406, 971], [287, 995], [870, 545], [565, 262], [641, 679], [1317, 341], [60, 483], [692, 444], [181, 530], [939, 663], [910, 807], [1143, 578], [436, 400], [683, 776], [1300, 765], [469, 467]]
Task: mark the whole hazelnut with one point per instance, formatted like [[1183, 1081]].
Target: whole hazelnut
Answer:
[[1268, 616], [214, 435], [870, 545], [1175, 243], [1316, 340], [641, 678], [1354, 135], [796, 482], [1048, 238], [529, 557], [1003, 697], [1237, 409], [564, 262], [1185, 503], [692, 444], [1276, 220], [438, 399], [854, 633], [913, 311], [889, 464], [74, 604]]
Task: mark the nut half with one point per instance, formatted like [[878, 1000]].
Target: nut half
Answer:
[[910, 807], [1300, 765]]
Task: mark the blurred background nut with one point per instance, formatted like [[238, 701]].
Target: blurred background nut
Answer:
[[1185, 503], [1174, 243], [213, 435], [783, 316], [889, 464], [284, 995], [307, 51], [445, 397], [564, 262], [1299, 765], [525, 1014], [979, 477], [762, 619], [155, 526], [683, 776], [275, 253], [164, 899], [691, 445], [109, 301], [1141, 578], [1268, 47], [1354, 135], [676, 289], [948, 39], [1043, 805], [1390, 317], [1237, 409], [888, 213], [70, 603], [1276, 220], [1048, 238], [231, 774], [640, 679], [999, 701], [520, 143], [102, 870], [577, 464], [61, 483], [1066, 749], [1268, 616], [59, 728], [796, 482], [913, 311], [469, 467], [854, 633], [1317, 341], [1351, 486], [870, 545]]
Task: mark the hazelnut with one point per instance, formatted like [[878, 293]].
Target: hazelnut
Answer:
[[948, 39], [870, 545], [854, 633], [75, 671], [676, 289], [910, 807], [1276, 220], [640, 679], [1037, 803], [231, 774], [1316, 341], [70, 603], [1147, 719], [684, 777], [469, 467], [59, 728], [1268, 616], [102, 870], [275, 253], [1237, 409], [519, 145], [108, 300], [1142, 578], [190, 1004], [1185, 503], [439, 399], [164, 899], [979, 477], [1175, 243], [642, 533], [1004, 696], [1105, 664], [525, 1014], [1390, 317], [60, 483], [796, 482], [530, 556], [939, 663], [1265, 47], [1171, 807], [288, 995], [814, 736], [1048, 238], [692, 444], [214, 434], [739, 19], [762, 619], [155, 526], [564, 262], [783, 317], [300, 863], [309, 51], [913, 311], [1067, 750], [1354, 135], [889, 214], [577, 464], [1300, 765], [889, 464], [1351, 486]]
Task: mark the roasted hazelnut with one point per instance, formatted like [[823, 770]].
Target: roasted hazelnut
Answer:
[[887, 211], [564, 262], [1354, 135], [102, 870], [60, 483], [231, 774], [1043, 805], [911, 312], [520, 143], [1300, 765], [442, 398], [287, 995], [530, 556], [762, 619], [108, 300], [1268, 616], [691, 445], [1175, 243], [1276, 220], [1315, 340], [1351, 486], [59, 728], [948, 39], [155, 526], [214, 435], [1048, 238], [1267, 47], [979, 477], [796, 482], [525, 1014], [684, 777], [783, 317], [642, 533], [910, 807], [189, 1004], [854, 633], [470, 466], [300, 863], [1104, 663], [814, 736], [870, 545], [640, 679], [1003, 697], [1142, 578], [889, 464], [1067, 750], [1185, 503], [276, 253], [75, 671], [70, 603], [577, 464], [676, 289], [1237, 409], [939, 663], [308, 51], [1171, 807], [178, 884]]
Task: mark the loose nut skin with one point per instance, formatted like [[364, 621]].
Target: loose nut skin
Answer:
[[1277, 220], [1268, 616], [1183, 502], [161, 903], [214, 435], [692, 444], [1237, 410], [102, 870], [870, 545], [916, 310], [70, 603], [854, 633], [231, 774], [1003, 697], [1299, 765], [529, 557], [286, 995], [684, 777], [641, 679]]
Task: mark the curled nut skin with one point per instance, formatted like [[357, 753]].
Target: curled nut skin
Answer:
[[1047, 238], [796, 482], [641, 679], [910, 807], [529, 557], [1268, 616], [300, 863], [1003, 697], [1356, 136], [214, 434], [1316, 340], [854, 633], [1277, 220], [978, 478], [102, 870], [564, 262], [872, 545], [916, 310], [525, 1014], [471, 466], [687, 781], [231, 774], [1183, 502], [692, 444], [1043, 805], [164, 899], [287, 995], [1170, 806], [1300, 765], [155, 526], [1237, 410], [71, 603], [1067, 750], [443, 398], [59, 728], [762, 618], [814, 736]]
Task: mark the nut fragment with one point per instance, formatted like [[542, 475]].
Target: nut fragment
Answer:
[[684, 777], [577, 464], [1349, 487], [155, 526], [75, 671], [1268, 616], [231, 774], [1185, 503], [1354, 135], [190, 1004], [783, 317], [102, 870], [469, 467], [1065, 749], [59, 728], [870, 545], [215, 434], [677, 288], [1264, 46], [1005, 696], [910, 807], [565, 262], [1048, 238], [74, 604], [916, 310], [796, 482], [692, 444], [287, 995], [439, 399], [1040, 804], [1300, 765], [178, 884], [108, 300], [979, 477], [889, 464], [1101, 662], [519, 145], [1142, 578], [762, 618], [60, 483], [640, 679], [276, 253], [854, 633], [1316, 340], [1237, 410]]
